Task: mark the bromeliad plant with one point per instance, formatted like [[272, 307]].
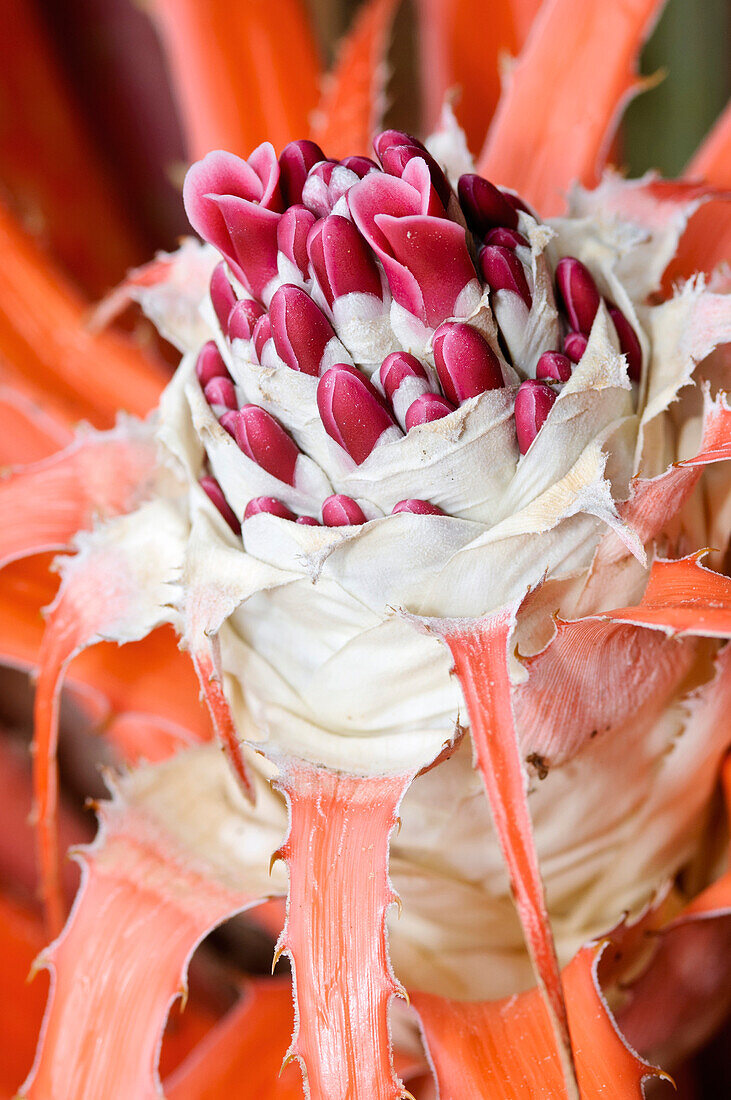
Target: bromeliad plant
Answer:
[[427, 503]]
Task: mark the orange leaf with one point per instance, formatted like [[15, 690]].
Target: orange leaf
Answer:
[[351, 108], [28, 430], [49, 165], [580, 53], [682, 597], [462, 44], [242, 1055], [142, 899], [243, 73], [480, 657], [43, 337], [339, 891], [98, 475], [21, 1004], [505, 1049]]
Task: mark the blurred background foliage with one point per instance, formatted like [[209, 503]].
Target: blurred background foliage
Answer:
[[109, 60]]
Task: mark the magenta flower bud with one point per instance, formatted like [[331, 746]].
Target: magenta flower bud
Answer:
[[574, 345], [352, 411], [261, 333], [533, 403], [300, 329], [502, 270], [553, 367], [220, 391], [517, 203], [295, 162], [465, 362], [235, 205], [341, 260], [395, 149], [578, 292], [628, 343], [210, 365], [308, 521], [227, 421], [292, 231], [417, 508], [484, 206], [242, 319], [360, 165], [341, 511], [222, 294], [506, 238], [396, 368], [271, 505], [214, 492], [265, 441], [428, 407]]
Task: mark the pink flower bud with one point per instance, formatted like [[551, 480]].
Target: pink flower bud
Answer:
[[578, 292], [222, 294], [300, 329], [261, 334], [267, 504], [243, 318], [210, 365], [428, 407], [215, 494], [395, 149], [316, 193], [360, 165], [341, 260], [628, 343], [502, 270], [295, 162], [220, 391], [533, 403], [574, 345], [352, 411], [517, 203], [465, 362], [341, 511], [506, 238], [234, 204], [484, 206], [292, 232], [265, 441], [417, 508], [308, 521], [553, 367], [402, 378]]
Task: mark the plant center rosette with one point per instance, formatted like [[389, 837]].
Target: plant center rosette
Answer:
[[407, 405]]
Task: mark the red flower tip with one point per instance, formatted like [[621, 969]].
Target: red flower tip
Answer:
[[417, 508], [270, 505], [295, 162], [243, 318], [579, 293], [574, 345], [264, 440], [428, 407], [210, 365], [506, 238], [215, 494], [341, 511], [533, 403], [220, 391], [300, 329], [628, 342], [484, 206], [502, 270], [553, 367], [465, 362], [292, 233], [352, 411], [222, 294], [341, 260]]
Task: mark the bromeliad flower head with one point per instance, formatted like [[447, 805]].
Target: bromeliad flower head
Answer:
[[422, 412], [417, 467]]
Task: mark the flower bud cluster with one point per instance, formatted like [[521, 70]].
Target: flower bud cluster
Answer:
[[399, 298]]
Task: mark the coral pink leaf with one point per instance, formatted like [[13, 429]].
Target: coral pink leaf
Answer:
[[504, 1049], [242, 1055], [53, 347], [353, 101], [682, 597], [712, 162], [584, 51], [100, 474], [21, 1003], [716, 444], [480, 657], [142, 901], [209, 677], [28, 431], [339, 891]]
